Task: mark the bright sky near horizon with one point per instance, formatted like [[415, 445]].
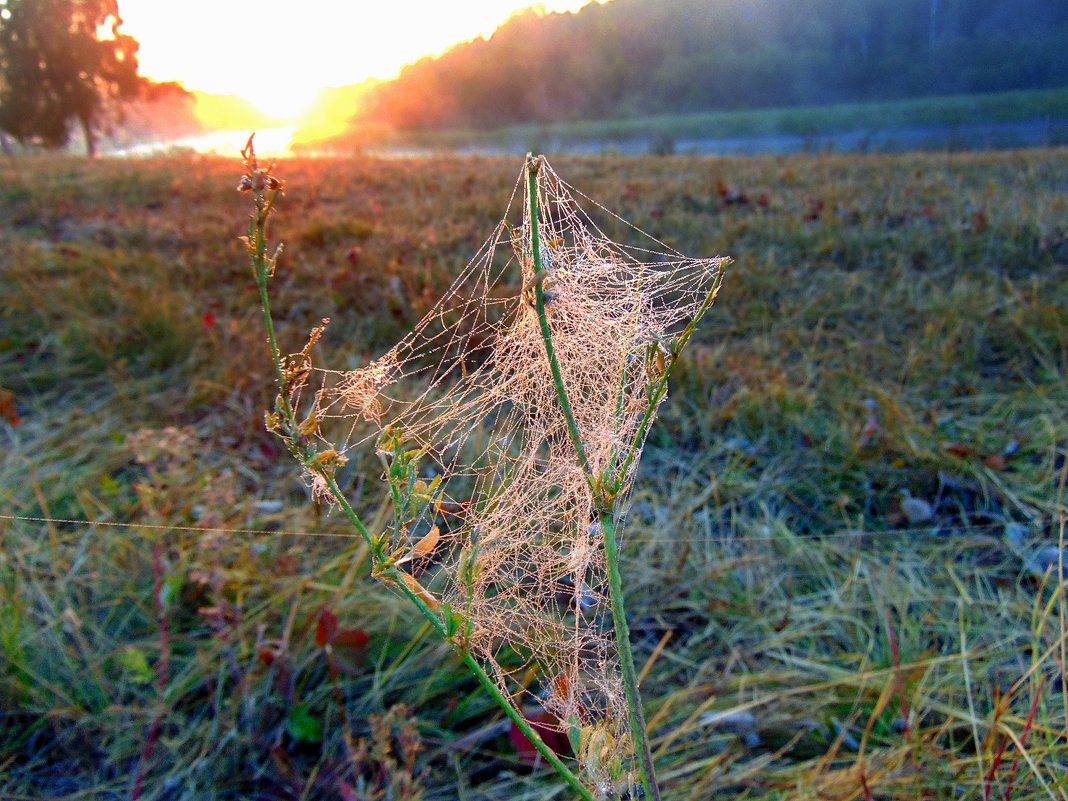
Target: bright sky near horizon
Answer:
[[278, 54]]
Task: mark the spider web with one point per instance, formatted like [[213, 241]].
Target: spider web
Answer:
[[493, 516]]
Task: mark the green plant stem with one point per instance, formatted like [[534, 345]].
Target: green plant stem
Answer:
[[659, 389], [608, 525], [543, 320], [261, 264], [528, 731], [473, 664], [626, 658]]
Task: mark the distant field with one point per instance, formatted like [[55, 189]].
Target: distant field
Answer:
[[959, 122], [845, 537]]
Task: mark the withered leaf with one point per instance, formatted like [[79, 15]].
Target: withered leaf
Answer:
[[428, 543], [419, 590]]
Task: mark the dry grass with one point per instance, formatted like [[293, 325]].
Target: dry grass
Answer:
[[894, 330]]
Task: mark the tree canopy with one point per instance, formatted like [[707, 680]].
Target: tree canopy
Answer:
[[62, 63]]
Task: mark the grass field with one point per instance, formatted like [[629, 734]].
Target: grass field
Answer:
[[843, 558]]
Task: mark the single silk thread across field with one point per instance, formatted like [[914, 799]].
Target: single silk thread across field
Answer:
[[851, 534]]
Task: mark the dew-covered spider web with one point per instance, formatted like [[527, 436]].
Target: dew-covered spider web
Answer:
[[494, 520]]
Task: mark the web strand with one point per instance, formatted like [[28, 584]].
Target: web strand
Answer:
[[940, 530]]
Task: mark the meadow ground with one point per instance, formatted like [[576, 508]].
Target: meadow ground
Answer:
[[843, 558]]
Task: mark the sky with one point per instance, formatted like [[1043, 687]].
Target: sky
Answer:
[[278, 54]]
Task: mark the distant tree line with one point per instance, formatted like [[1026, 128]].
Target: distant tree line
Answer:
[[637, 57]]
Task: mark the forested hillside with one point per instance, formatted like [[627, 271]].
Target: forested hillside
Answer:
[[636, 57]]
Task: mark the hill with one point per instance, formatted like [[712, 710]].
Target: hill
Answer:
[[634, 57]]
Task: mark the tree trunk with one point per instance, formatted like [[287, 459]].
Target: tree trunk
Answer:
[[90, 135]]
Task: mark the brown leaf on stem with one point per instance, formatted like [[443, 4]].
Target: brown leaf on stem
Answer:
[[543, 722], [419, 590], [351, 638], [329, 632], [8, 411], [996, 461], [326, 629], [958, 449], [427, 544]]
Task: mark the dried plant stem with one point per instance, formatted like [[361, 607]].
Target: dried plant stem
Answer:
[[264, 198], [607, 520]]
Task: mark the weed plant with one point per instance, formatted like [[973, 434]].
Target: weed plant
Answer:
[[896, 332], [570, 371]]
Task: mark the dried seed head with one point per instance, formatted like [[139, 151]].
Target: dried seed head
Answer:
[[258, 181]]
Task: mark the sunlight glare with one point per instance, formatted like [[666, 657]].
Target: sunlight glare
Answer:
[[279, 59]]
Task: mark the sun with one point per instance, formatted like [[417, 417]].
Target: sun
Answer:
[[285, 100], [279, 59]]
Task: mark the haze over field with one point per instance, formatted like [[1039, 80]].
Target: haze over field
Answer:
[[299, 58], [351, 77]]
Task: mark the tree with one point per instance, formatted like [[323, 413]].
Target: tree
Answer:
[[63, 62]]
